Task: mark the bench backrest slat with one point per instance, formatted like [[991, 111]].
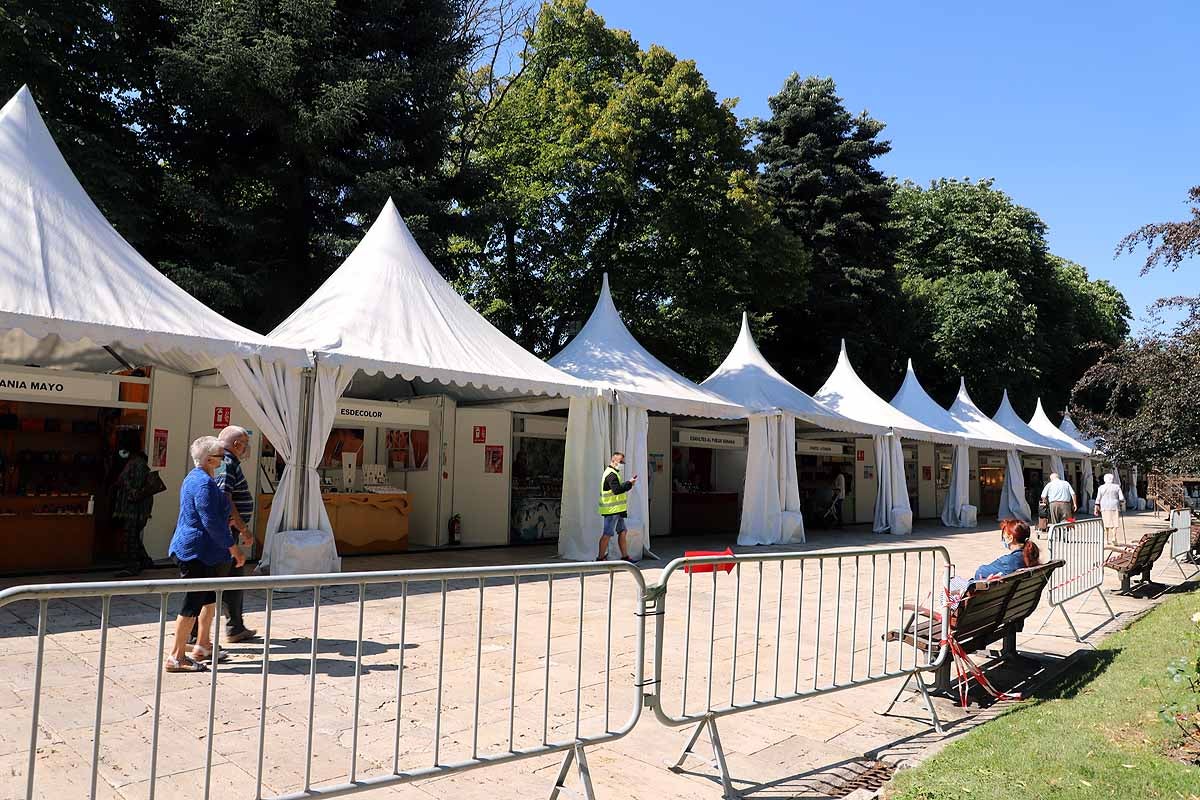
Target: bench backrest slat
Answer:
[[990, 609]]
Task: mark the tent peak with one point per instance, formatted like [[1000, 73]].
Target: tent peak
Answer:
[[910, 367]]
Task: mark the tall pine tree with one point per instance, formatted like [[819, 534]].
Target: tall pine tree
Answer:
[[817, 167]]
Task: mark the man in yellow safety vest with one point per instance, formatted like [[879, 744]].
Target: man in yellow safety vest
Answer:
[[614, 503]]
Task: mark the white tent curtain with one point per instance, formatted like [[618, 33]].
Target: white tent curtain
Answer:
[[762, 512], [883, 493], [789, 483], [270, 393], [1013, 504], [901, 517], [630, 427], [1058, 467], [583, 467], [1089, 486], [328, 384], [893, 514], [959, 494]]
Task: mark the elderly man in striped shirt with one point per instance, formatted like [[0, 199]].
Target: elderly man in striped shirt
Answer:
[[232, 481]]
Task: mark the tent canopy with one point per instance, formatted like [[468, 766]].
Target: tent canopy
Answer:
[[983, 429], [748, 379], [1042, 424], [1068, 427], [913, 400], [73, 286], [1007, 417], [387, 310], [846, 394], [605, 354]]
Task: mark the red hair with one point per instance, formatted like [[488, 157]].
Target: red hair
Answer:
[[1019, 532]]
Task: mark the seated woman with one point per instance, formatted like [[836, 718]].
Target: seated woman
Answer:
[[1021, 553]]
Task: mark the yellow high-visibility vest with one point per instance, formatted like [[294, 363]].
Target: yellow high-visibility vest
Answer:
[[611, 502]]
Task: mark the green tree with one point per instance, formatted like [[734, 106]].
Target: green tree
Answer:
[[818, 168], [85, 62], [289, 124], [987, 301], [607, 157]]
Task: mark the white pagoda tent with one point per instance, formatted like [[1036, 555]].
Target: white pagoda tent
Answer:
[[846, 394], [1041, 423], [771, 506], [605, 355]]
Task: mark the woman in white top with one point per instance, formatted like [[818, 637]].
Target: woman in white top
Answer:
[[1109, 501]]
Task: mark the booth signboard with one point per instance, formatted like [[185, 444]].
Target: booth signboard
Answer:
[[809, 446], [690, 437], [366, 413], [47, 386], [995, 461], [1029, 463]]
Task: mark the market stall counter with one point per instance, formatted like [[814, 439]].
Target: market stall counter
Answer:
[[364, 523]]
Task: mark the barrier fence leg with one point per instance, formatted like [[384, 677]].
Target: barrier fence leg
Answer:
[[1111, 614], [574, 756], [1063, 608], [709, 723], [924, 690]]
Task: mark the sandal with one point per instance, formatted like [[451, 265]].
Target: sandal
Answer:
[[205, 654], [184, 665]]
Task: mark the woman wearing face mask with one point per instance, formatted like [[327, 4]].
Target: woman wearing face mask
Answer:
[[1020, 553]]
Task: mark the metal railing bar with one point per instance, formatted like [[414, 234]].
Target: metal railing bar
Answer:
[[212, 691], [312, 687], [104, 611], [262, 698], [158, 678], [358, 646]]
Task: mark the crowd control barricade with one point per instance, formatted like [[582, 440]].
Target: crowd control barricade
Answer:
[[779, 627], [451, 670], [1081, 546], [1181, 538]]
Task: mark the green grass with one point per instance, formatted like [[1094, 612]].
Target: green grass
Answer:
[[1096, 734]]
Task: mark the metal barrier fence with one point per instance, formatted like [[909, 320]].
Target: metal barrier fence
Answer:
[[1181, 539], [780, 627], [1081, 546], [458, 702]]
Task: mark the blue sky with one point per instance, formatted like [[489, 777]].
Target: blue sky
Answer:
[[1088, 113]]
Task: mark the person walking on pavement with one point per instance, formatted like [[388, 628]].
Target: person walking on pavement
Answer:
[[1061, 496], [614, 505], [839, 496], [232, 481], [1109, 501]]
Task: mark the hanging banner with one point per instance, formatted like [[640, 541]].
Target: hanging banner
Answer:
[[812, 447], [49, 387], [493, 459], [366, 413], [690, 437]]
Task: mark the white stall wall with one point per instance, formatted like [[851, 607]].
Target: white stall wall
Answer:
[[658, 444], [423, 485], [729, 468], [482, 497], [927, 489], [170, 411], [865, 489], [205, 401]]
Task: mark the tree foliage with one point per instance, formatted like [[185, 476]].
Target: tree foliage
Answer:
[[1169, 243], [1142, 399], [817, 168], [608, 157], [988, 302]]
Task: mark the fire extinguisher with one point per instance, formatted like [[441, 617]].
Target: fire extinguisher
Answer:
[[455, 529]]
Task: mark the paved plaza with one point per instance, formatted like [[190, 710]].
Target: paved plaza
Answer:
[[805, 748]]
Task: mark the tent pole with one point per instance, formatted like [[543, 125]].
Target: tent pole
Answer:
[[307, 378]]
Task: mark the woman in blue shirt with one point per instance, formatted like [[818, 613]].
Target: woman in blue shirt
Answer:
[[1021, 553], [202, 542]]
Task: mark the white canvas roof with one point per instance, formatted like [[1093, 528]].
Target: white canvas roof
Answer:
[[1068, 427], [913, 400], [984, 429], [387, 310], [1042, 424], [72, 285], [605, 354], [846, 394], [748, 379], [1008, 419]]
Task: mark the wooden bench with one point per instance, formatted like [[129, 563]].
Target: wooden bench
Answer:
[[989, 611], [1138, 558]]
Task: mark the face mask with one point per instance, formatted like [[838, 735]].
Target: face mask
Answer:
[[123, 453]]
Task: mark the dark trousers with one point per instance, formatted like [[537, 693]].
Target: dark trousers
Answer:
[[231, 600], [837, 510], [136, 556]]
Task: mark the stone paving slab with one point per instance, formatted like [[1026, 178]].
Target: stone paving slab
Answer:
[[803, 748]]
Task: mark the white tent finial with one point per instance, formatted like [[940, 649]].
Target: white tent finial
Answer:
[[843, 353], [910, 366], [962, 383]]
